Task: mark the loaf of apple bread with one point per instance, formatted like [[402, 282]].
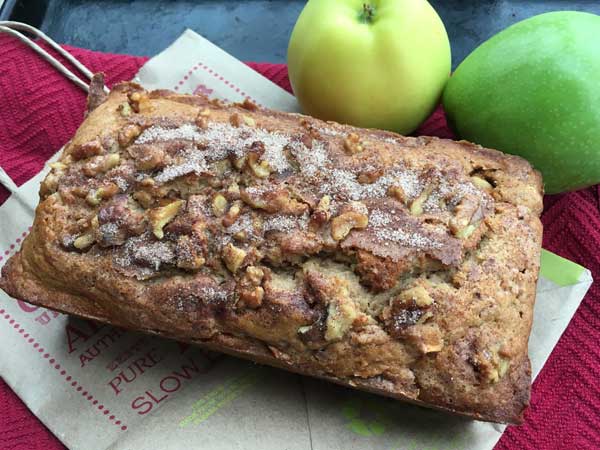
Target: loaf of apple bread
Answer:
[[402, 266]]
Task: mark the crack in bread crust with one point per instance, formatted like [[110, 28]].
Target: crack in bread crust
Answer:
[[402, 266]]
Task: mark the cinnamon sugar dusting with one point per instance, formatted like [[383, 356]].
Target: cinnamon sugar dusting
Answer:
[[285, 224], [212, 294], [414, 240], [345, 184], [243, 224], [192, 161], [143, 256], [221, 140], [312, 163], [380, 221]]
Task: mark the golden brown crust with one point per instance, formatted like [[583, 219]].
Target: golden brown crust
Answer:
[[402, 266]]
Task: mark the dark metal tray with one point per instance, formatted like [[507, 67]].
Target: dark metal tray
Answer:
[[251, 30]]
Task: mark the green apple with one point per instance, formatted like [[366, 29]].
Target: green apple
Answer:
[[369, 63], [534, 90]]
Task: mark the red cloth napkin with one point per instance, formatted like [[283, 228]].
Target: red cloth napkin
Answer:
[[40, 110]]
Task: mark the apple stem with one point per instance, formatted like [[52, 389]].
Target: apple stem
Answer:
[[368, 13]]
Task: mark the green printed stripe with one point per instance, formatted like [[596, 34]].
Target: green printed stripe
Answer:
[[215, 393], [559, 270], [226, 400], [219, 397]]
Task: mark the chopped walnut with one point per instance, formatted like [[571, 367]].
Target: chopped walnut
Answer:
[[352, 144], [202, 118], [250, 290], [321, 214], [134, 99], [95, 196], [79, 191], [215, 102], [235, 119], [233, 191], [202, 122], [418, 295], [87, 150], [190, 221], [249, 105], [147, 182], [490, 366], [84, 241], [117, 220], [124, 109], [96, 94], [95, 222], [240, 236], [281, 202], [467, 217], [198, 228], [233, 257], [398, 193], [278, 201], [219, 205], [147, 157], [411, 307], [58, 166], [255, 201], [108, 190], [127, 134], [258, 169], [239, 163], [110, 144], [255, 275], [341, 314], [481, 183], [160, 216], [249, 121], [324, 204], [233, 214], [305, 123], [346, 222], [111, 161], [333, 293], [50, 183], [101, 164], [370, 176], [252, 298], [467, 231], [144, 198], [416, 207]]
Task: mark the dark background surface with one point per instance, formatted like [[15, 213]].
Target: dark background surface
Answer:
[[251, 30]]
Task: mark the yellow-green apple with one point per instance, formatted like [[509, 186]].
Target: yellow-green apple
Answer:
[[369, 63]]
